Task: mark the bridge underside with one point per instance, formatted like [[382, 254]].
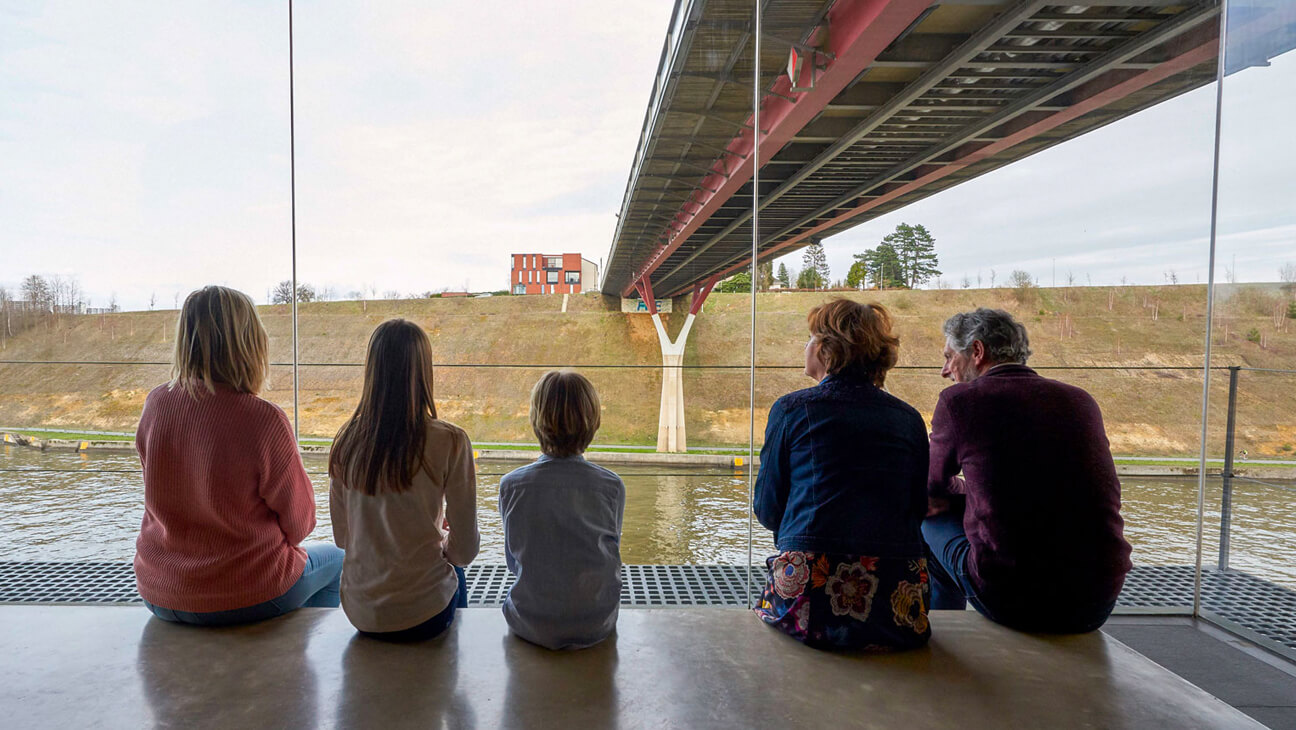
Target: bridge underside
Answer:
[[896, 100]]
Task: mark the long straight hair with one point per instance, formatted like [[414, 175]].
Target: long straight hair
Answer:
[[380, 448]]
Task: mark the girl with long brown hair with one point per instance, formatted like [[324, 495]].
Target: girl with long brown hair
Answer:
[[403, 496]]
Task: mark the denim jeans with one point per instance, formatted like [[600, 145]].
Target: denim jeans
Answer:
[[434, 626], [318, 587], [953, 588]]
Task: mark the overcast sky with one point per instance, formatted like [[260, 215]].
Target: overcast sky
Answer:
[[144, 150]]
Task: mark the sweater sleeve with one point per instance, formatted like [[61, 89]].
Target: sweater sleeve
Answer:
[[461, 503], [943, 482], [285, 487]]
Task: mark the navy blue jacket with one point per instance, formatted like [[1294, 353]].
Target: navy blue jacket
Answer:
[[844, 470]]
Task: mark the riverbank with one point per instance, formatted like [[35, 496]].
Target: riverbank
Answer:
[[1270, 469], [1136, 349]]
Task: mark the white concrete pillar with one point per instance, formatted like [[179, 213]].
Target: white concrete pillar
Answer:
[[670, 420]]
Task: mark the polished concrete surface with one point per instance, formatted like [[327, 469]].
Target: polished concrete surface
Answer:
[[669, 668]]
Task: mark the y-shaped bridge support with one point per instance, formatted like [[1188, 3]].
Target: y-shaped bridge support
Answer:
[[670, 420]]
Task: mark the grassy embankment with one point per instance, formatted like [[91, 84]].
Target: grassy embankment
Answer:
[[1148, 412]]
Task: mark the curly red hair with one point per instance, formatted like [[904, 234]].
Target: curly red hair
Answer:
[[855, 337]]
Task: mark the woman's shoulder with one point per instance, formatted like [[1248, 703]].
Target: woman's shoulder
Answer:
[[798, 397], [438, 428]]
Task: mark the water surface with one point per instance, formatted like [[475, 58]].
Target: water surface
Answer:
[[89, 506]]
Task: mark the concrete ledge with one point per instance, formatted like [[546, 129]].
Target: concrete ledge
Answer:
[[673, 668]]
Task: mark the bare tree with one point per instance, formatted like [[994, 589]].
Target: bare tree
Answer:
[[1021, 279], [1287, 274], [1172, 277], [966, 283], [282, 293], [393, 294], [1070, 278], [152, 300], [992, 278]]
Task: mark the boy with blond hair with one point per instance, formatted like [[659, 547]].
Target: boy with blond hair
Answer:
[[562, 524]]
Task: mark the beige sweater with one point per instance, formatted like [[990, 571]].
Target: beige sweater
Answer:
[[398, 569]]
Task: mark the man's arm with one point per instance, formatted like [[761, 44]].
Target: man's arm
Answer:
[[945, 489]]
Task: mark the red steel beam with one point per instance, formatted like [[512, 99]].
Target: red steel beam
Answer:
[[701, 291], [1121, 85], [858, 30], [644, 287]]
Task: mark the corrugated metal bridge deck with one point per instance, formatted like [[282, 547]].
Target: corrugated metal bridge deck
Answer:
[[1254, 604]]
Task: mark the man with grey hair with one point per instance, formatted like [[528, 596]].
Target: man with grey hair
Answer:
[[1024, 504]]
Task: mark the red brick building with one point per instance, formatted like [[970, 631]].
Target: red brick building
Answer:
[[538, 273]]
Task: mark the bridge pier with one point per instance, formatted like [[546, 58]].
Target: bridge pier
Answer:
[[671, 431]]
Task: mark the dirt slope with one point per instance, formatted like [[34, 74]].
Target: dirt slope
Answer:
[[1147, 411]]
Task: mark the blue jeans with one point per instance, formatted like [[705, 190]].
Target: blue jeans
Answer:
[[318, 587], [948, 547], [953, 588], [434, 626]]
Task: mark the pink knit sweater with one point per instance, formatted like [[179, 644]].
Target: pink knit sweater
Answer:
[[226, 501]]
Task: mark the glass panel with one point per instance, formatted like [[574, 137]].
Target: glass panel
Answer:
[[145, 155], [420, 191], [1252, 527], [1085, 217]]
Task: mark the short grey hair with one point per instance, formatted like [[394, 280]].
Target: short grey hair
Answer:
[[1004, 338]]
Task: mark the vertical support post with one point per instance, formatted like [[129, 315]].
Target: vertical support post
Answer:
[[292, 187], [1226, 501]]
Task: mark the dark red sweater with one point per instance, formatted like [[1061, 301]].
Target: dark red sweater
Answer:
[[226, 501], [1042, 498]]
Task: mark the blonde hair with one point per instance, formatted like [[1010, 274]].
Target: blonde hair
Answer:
[[855, 337], [565, 412], [219, 339]]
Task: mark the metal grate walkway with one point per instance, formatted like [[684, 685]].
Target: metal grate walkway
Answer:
[[1255, 604]]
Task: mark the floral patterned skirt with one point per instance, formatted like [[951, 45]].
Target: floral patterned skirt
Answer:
[[830, 600]]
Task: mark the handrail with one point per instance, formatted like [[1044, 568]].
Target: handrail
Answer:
[[595, 366]]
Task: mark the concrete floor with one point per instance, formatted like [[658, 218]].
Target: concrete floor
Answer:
[[671, 668], [1233, 669]]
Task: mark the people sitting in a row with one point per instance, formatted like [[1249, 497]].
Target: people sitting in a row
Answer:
[[872, 523]]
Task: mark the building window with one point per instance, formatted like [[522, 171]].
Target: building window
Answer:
[[552, 277], [519, 289], [573, 277], [553, 262]]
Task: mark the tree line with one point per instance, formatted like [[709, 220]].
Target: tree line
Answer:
[[904, 259]]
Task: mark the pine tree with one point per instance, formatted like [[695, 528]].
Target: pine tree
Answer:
[[916, 250], [816, 260], [783, 277]]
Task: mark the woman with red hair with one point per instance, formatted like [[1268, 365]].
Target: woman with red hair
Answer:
[[843, 486]]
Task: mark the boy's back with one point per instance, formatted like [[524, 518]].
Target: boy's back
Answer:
[[562, 539]]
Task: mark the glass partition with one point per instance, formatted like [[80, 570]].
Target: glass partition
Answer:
[[472, 183], [145, 151], [1251, 521]]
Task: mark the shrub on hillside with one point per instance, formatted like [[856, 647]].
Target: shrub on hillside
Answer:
[[1291, 311], [1253, 335]]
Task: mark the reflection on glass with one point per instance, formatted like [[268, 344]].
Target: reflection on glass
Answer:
[[1251, 424]]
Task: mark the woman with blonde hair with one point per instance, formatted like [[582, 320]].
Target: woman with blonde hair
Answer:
[[843, 486], [403, 496], [226, 498]]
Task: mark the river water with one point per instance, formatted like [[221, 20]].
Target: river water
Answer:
[[69, 506]]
